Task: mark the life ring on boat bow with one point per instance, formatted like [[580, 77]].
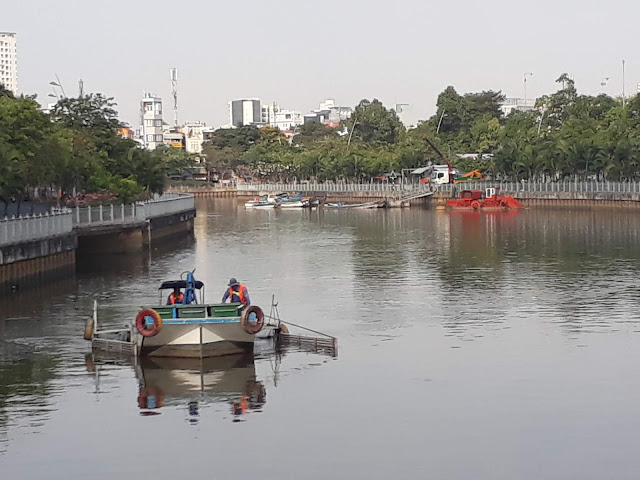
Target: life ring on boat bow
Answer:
[[252, 319], [475, 205], [143, 324]]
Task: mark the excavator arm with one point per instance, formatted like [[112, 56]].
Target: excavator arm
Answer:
[[446, 160]]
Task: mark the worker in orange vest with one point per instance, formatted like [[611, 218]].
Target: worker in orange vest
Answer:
[[175, 297], [236, 293]]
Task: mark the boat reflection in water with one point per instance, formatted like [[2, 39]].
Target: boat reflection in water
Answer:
[[183, 381], [189, 382]]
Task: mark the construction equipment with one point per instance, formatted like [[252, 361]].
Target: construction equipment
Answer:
[[472, 175]]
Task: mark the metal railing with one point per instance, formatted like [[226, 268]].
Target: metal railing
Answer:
[[167, 204], [35, 227], [328, 187], [530, 186]]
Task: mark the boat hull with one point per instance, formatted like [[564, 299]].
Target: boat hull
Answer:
[[197, 338]]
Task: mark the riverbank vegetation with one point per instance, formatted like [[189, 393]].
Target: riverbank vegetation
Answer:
[[75, 148], [565, 135]]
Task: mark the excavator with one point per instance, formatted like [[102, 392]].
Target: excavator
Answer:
[[472, 175], [467, 177]]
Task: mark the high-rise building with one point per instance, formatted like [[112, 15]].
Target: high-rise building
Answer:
[[9, 61], [151, 113], [245, 111]]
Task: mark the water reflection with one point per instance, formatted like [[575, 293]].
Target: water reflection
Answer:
[[26, 388], [193, 383]]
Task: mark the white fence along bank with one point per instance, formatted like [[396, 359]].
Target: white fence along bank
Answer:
[[167, 204], [512, 187], [29, 228]]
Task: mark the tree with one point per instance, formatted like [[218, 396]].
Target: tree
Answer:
[[372, 122]]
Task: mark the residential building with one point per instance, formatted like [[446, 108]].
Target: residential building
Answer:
[[151, 112], [517, 104], [9, 61], [174, 139], [329, 114], [276, 117], [126, 132], [246, 111], [269, 111], [194, 136], [286, 120], [336, 113], [318, 116]]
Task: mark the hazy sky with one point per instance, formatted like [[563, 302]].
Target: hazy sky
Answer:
[[299, 53]]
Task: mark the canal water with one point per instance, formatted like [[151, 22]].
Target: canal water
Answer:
[[471, 346]]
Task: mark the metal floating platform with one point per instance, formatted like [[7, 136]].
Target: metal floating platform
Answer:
[[314, 344]]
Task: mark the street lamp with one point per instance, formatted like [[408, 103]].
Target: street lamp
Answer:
[[525, 84], [58, 84]]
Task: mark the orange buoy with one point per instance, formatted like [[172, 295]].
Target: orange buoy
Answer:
[[142, 324]]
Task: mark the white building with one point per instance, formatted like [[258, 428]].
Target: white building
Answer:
[[9, 61], [329, 113], [193, 136], [287, 120], [517, 104], [151, 110], [276, 117], [245, 111]]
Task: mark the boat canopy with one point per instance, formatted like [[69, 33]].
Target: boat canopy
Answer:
[[171, 284]]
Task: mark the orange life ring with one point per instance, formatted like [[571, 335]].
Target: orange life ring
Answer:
[[252, 327], [142, 325], [475, 205]]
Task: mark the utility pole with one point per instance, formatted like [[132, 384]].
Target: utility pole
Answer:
[[624, 101], [174, 94], [440, 122], [525, 85]]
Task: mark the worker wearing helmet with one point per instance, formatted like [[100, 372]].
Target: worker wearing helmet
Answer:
[[236, 293]]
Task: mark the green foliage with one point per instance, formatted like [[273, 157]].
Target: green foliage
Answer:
[[77, 148], [567, 135], [372, 122]]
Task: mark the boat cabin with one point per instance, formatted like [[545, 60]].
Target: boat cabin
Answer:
[[477, 194], [471, 195]]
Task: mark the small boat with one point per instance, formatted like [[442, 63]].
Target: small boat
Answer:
[[483, 201], [292, 204], [342, 205], [261, 204], [190, 329]]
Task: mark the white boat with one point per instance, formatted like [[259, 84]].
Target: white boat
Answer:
[[188, 329], [263, 202], [292, 204]]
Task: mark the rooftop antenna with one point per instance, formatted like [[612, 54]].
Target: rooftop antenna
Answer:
[[174, 94]]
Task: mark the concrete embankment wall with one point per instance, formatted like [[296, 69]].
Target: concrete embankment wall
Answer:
[[28, 263], [132, 237], [204, 191]]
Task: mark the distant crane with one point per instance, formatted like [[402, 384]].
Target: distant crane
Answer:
[[174, 94]]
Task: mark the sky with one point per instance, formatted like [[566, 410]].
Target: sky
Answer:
[[299, 53]]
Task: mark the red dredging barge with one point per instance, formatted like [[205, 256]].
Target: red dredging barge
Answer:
[[483, 201]]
